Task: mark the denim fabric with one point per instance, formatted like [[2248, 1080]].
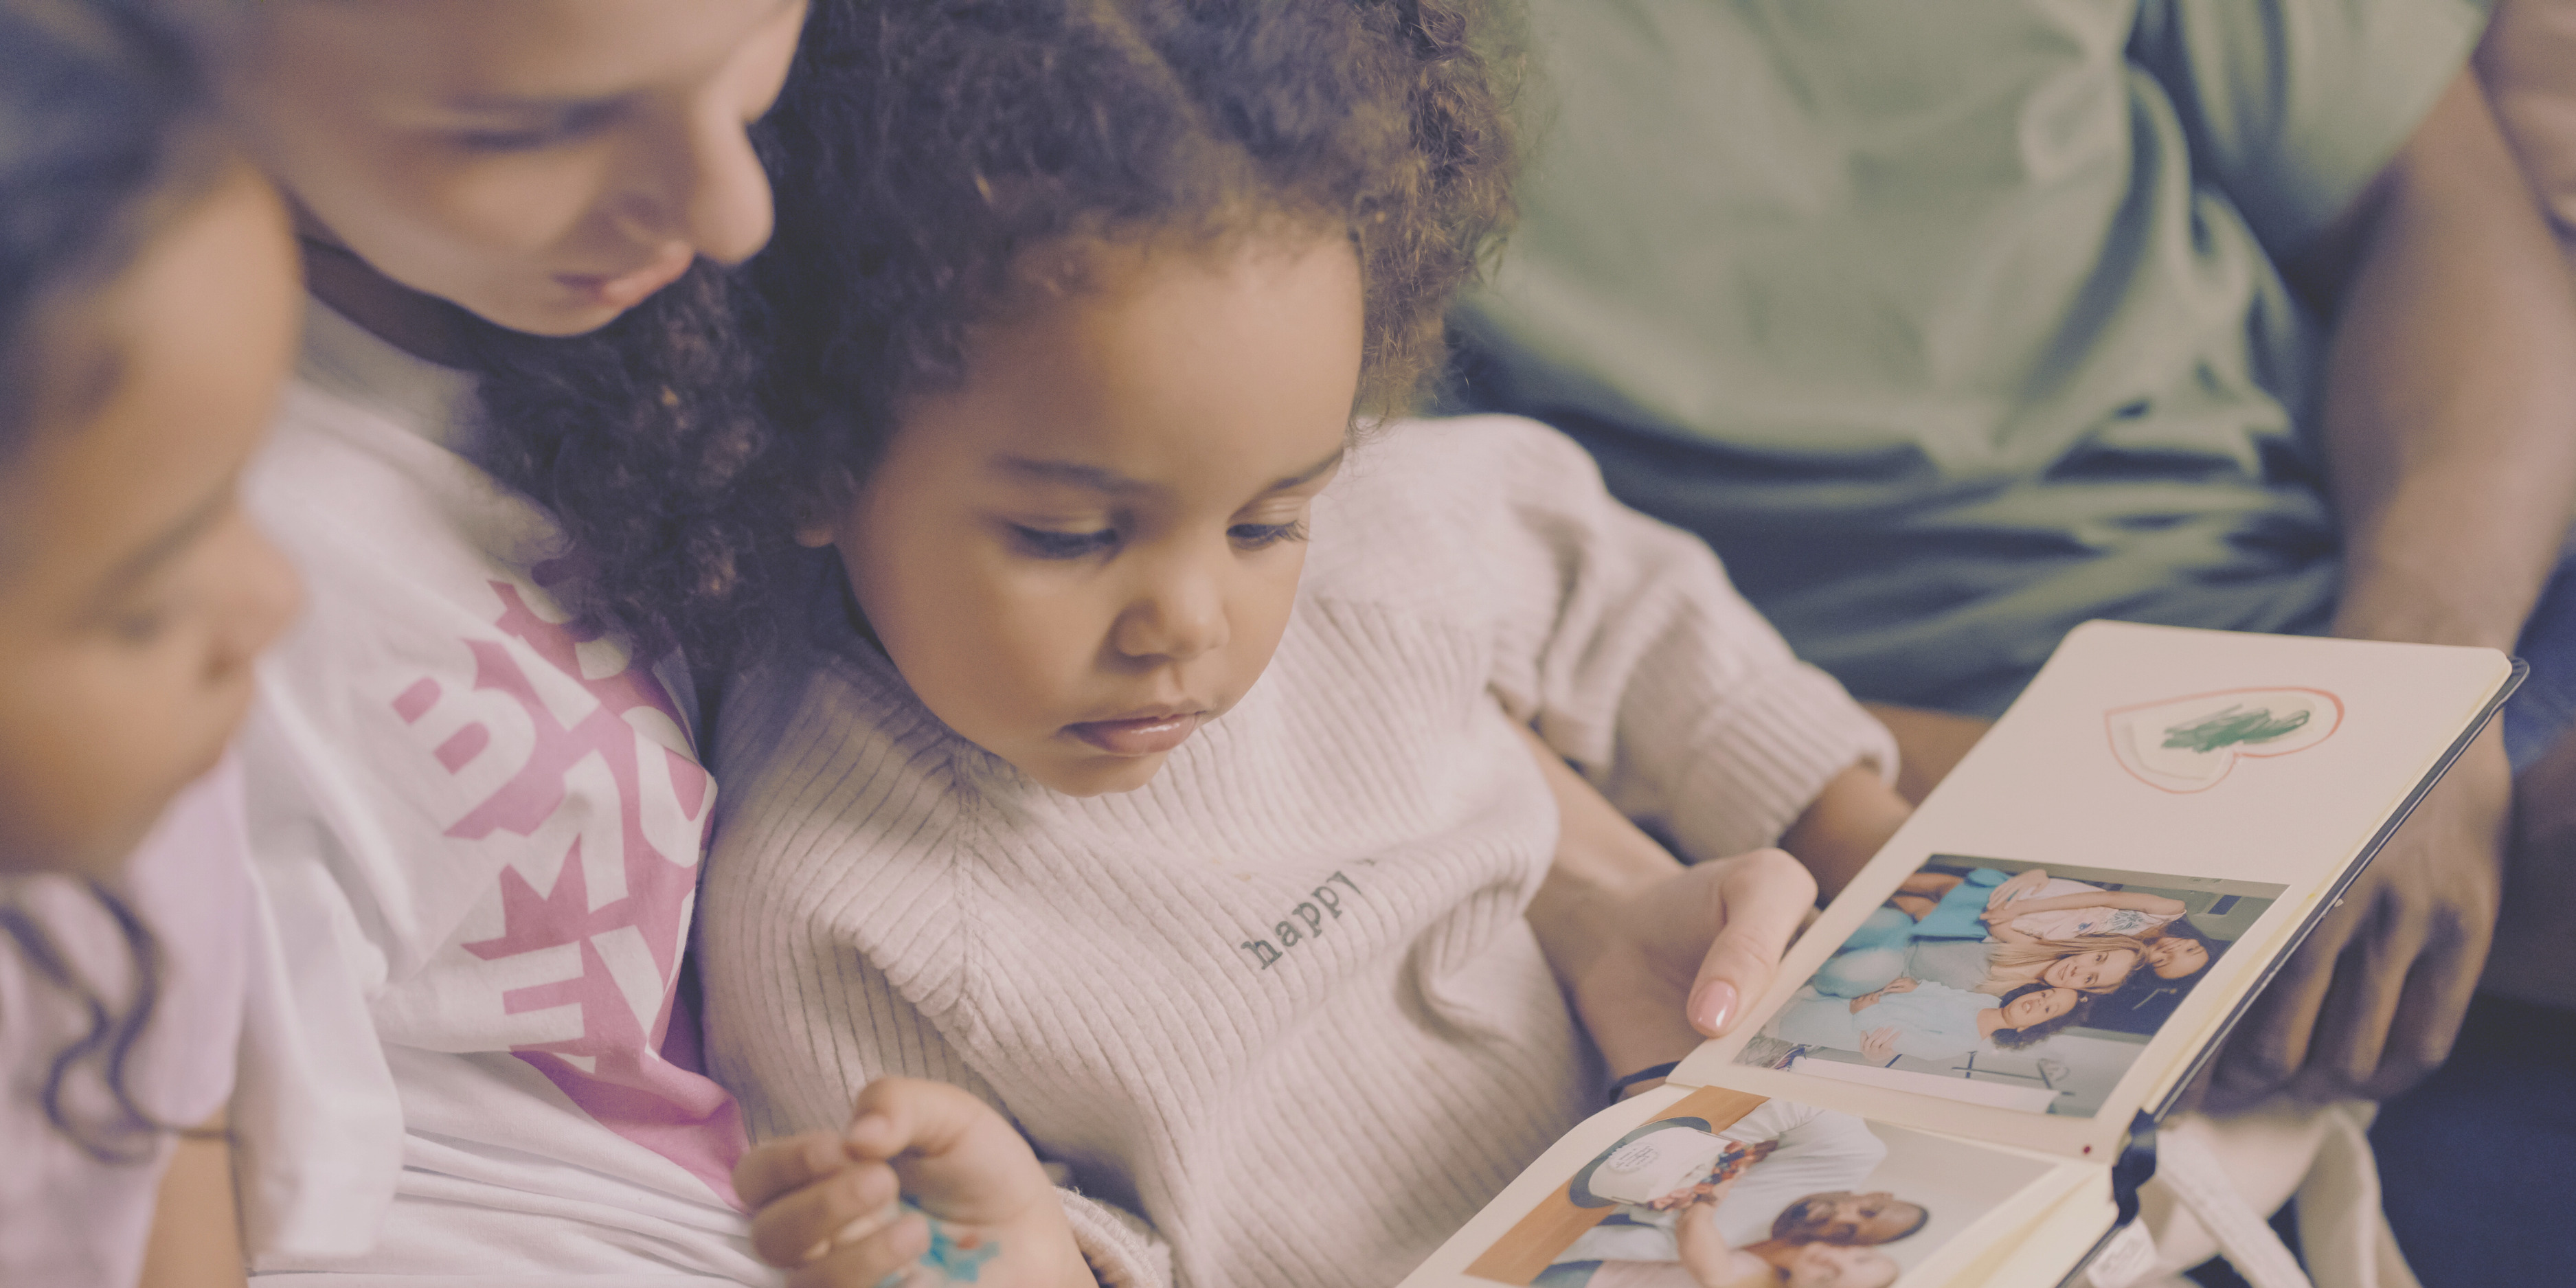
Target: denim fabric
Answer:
[[2539, 712], [2474, 1164]]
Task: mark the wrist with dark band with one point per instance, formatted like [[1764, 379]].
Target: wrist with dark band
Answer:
[[1648, 1074]]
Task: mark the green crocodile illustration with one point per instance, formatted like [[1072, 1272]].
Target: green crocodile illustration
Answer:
[[2232, 726]]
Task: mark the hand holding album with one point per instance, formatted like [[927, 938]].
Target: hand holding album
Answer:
[[2150, 829]]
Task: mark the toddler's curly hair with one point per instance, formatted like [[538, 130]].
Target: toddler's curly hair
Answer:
[[921, 149]]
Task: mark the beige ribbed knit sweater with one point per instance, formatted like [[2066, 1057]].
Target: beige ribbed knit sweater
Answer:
[[1278, 1010]]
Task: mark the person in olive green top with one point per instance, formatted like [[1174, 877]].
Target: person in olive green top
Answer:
[[1951, 326]]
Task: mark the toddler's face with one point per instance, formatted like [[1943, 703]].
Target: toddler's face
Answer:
[[2176, 956], [134, 593], [1090, 548], [546, 164], [2039, 1008]]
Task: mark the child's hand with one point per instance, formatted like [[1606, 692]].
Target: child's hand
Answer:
[[1879, 1044], [980, 1209], [1900, 984]]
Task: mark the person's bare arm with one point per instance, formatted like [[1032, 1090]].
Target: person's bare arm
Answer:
[[2134, 900], [2527, 62], [1842, 829], [196, 1232], [2450, 392], [1656, 957], [1703, 1248]]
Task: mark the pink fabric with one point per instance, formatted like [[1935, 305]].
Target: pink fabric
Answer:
[[614, 1071], [67, 1217]]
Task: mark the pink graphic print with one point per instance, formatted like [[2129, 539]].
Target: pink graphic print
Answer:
[[614, 1070]]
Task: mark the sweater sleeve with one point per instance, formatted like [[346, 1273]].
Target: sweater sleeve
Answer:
[[1622, 642], [1124, 1252]]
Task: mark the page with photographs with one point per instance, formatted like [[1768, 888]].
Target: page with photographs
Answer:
[[2080, 908], [1703, 1188]]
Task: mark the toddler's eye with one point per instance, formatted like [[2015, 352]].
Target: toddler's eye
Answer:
[[1046, 544], [1259, 536]]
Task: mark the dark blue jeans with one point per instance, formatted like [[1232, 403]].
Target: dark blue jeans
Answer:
[[2478, 1163]]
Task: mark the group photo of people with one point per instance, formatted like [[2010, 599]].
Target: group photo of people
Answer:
[[2046, 979], [1148, 643], [1786, 1194]]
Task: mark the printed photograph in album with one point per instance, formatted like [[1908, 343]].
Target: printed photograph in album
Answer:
[[2009, 983], [1723, 1189]]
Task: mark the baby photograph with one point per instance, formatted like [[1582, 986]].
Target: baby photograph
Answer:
[[1725, 1189], [2011, 983]]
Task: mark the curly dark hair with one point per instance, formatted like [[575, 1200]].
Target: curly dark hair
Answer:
[[107, 132], [920, 148], [2016, 1039]]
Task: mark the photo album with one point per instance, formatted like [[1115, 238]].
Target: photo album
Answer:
[[1956, 1075]]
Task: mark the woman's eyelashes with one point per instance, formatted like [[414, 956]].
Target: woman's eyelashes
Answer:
[[563, 127]]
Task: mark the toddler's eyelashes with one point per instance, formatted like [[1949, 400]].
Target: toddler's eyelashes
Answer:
[[1254, 536], [1046, 544]]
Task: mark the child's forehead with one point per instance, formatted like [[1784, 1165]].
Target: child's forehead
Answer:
[[1179, 370]]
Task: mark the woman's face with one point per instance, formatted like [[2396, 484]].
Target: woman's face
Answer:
[[2176, 956], [546, 164], [1826, 1265], [2038, 1008], [2099, 971]]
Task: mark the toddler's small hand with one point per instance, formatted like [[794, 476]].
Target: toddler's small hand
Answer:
[[1879, 1044], [841, 1210]]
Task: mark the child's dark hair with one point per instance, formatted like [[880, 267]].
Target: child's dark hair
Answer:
[[106, 134], [2031, 1035], [919, 148], [2181, 928]]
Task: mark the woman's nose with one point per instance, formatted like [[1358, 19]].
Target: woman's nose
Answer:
[[703, 186], [728, 208]]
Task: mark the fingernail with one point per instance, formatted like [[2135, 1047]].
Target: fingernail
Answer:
[[1712, 1006]]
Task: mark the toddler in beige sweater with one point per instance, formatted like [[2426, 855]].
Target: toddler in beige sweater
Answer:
[[1147, 765]]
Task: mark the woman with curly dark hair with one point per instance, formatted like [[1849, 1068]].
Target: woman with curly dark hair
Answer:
[[1144, 748]]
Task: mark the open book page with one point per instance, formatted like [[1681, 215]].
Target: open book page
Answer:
[[2079, 909], [1700, 1188]]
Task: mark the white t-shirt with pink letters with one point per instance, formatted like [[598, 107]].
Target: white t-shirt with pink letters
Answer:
[[477, 829]]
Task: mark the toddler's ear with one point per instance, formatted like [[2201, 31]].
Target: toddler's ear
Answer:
[[818, 522]]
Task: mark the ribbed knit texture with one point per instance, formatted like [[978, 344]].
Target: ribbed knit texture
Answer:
[[1278, 1010]]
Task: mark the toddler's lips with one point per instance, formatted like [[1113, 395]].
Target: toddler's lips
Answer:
[[1144, 736]]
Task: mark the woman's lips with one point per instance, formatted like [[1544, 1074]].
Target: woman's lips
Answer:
[[1142, 736], [626, 290]]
